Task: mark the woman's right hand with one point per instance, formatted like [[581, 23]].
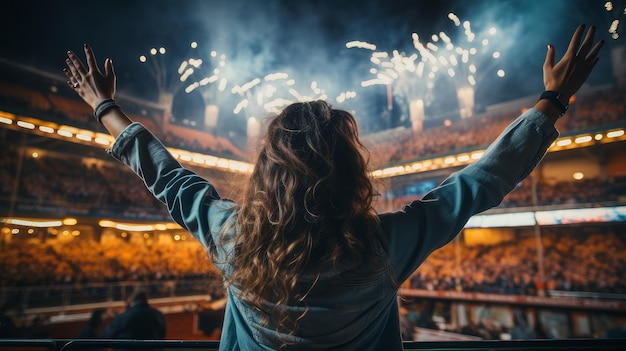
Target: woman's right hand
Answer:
[[569, 74], [88, 82]]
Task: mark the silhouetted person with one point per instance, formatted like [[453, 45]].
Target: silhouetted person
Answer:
[[91, 329], [522, 329], [140, 321]]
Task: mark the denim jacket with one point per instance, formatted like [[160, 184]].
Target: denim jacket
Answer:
[[352, 308]]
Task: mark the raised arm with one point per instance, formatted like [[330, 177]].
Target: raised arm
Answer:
[[96, 89], [569, 74], [191, 200], [435, 220]]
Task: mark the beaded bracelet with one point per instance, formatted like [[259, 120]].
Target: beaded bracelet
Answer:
[[103, 107]]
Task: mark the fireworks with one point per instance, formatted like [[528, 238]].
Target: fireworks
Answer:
[[412, 75], [615, 12]]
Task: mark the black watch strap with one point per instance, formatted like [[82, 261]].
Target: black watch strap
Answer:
[[559, 101]]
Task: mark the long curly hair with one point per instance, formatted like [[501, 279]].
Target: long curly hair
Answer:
[[307, 206]]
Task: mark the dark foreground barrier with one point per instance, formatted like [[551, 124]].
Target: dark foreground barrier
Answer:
[[167, 345]]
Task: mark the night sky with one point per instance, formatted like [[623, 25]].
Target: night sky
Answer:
[[306, 39]]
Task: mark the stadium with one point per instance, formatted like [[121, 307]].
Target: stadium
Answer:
[[80, 232]]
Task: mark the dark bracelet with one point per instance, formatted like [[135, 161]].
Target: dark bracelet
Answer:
[[104, 106], [557, 100]]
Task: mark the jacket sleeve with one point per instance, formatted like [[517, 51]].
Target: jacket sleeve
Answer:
[[425, 225], [191, 200]]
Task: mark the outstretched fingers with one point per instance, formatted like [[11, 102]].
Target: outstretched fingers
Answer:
[[592, 55], [76, 65], [72, 71], [572, 49], [550, 56], [587, 43], [91, 59]]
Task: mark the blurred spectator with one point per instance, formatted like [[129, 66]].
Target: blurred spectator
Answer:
[[139, 321], [91, 330]]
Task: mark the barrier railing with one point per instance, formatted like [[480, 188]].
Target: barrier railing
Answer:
[[515, 345]]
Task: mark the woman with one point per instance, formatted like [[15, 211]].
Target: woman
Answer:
[[307, 261]]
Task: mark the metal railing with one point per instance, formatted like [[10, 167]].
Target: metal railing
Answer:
[[517, 345], [33, 297]]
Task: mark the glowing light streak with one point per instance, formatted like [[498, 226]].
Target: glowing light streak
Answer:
[[564, 142], [26, 125], [432, 46], [65, 133], [275, 76], [346, 95], [247, 86], [583, 139], [454, 18], [370, 82], [30, 223], [360, 44], [420, 69], [453, 60], [222, 85], [192, 87], [46, 129], [477, 155], [445, 37], [207, 80], [615, 134], [471, 80], [240, 106], [182, 67], [83, 137], [102, 141], [188, 72], [298, 96], [613, 28], [276, 104]]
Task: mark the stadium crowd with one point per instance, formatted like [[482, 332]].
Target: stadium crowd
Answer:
[[601, 108], [596, 109], [508, 267], [111, 259], [511, 267]]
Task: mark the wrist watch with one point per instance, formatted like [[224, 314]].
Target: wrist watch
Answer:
[[559, 101]]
